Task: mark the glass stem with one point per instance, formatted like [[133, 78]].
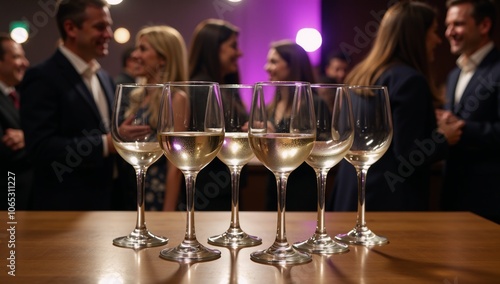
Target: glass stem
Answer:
[[361, 222], [235, 186], [321, 176], [281, 181], [140, 173], [190, 188]]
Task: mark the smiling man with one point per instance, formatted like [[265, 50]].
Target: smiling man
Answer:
[[13, 159], [66, 108], [473, 95]]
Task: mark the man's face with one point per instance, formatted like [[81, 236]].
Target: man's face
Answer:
[[462, 31], [92, 38], [13, 64], [337, 69]]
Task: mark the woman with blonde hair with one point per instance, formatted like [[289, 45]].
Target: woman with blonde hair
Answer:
[[162, 57], [400, 59]]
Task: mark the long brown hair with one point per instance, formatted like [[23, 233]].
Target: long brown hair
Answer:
[[401, 38], [297, 60], [300, 67], [204, 59]]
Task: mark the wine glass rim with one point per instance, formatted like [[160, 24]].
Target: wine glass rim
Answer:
[[380, 87], [139, 85], [229, 86], [191, 83], [319, 85], [283, 83]]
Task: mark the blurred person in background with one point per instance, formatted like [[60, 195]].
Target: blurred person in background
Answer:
[[14, 161]]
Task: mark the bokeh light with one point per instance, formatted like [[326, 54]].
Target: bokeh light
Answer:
[[19, 34], [309, 38], [121, 35], [114, 2]]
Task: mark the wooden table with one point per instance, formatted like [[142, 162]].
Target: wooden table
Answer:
[[76, 247]]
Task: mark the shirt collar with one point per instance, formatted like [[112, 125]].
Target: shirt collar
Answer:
[[80, 65], [470, 63], [6, 89]]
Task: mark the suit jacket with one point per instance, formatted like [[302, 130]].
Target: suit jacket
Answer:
[[63, 131], [400, 180], [472, 170], [16, 162]]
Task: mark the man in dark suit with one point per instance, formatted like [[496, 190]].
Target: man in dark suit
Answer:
[[15, 166], [66, 109], [473, 94]]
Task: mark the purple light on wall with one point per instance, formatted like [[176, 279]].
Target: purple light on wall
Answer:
[[262, 22]]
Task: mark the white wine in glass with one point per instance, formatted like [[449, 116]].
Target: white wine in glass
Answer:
[[190, 140], [235, 153], [334, 137], [372, 137], [133, 132], [282, 134]]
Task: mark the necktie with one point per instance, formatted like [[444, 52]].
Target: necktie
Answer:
[[15, 98]]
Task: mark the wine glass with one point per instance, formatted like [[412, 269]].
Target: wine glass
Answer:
[[190, 139], [134, 137], [235, 153], [334, 136], [372, 137], [282, 133]]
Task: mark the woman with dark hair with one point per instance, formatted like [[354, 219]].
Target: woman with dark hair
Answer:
[[288, 61], [399, 59], [214, 52], [213, 56]]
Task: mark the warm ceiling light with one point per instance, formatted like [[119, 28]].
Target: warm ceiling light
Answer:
[[114, 2], [121, 35]]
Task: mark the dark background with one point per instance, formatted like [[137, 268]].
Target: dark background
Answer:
[[346, 25]]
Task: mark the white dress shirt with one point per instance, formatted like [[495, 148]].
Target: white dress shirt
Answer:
[[88, 73], [468, 66]]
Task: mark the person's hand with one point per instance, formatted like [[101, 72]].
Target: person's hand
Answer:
[[445, 115], [450, 126], [131, 132], [14, 139]]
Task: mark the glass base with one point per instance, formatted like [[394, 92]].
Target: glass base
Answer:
[[321, 244], [140, 239], [280, 254], [190, 251], [234, 237], [362, 236]]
